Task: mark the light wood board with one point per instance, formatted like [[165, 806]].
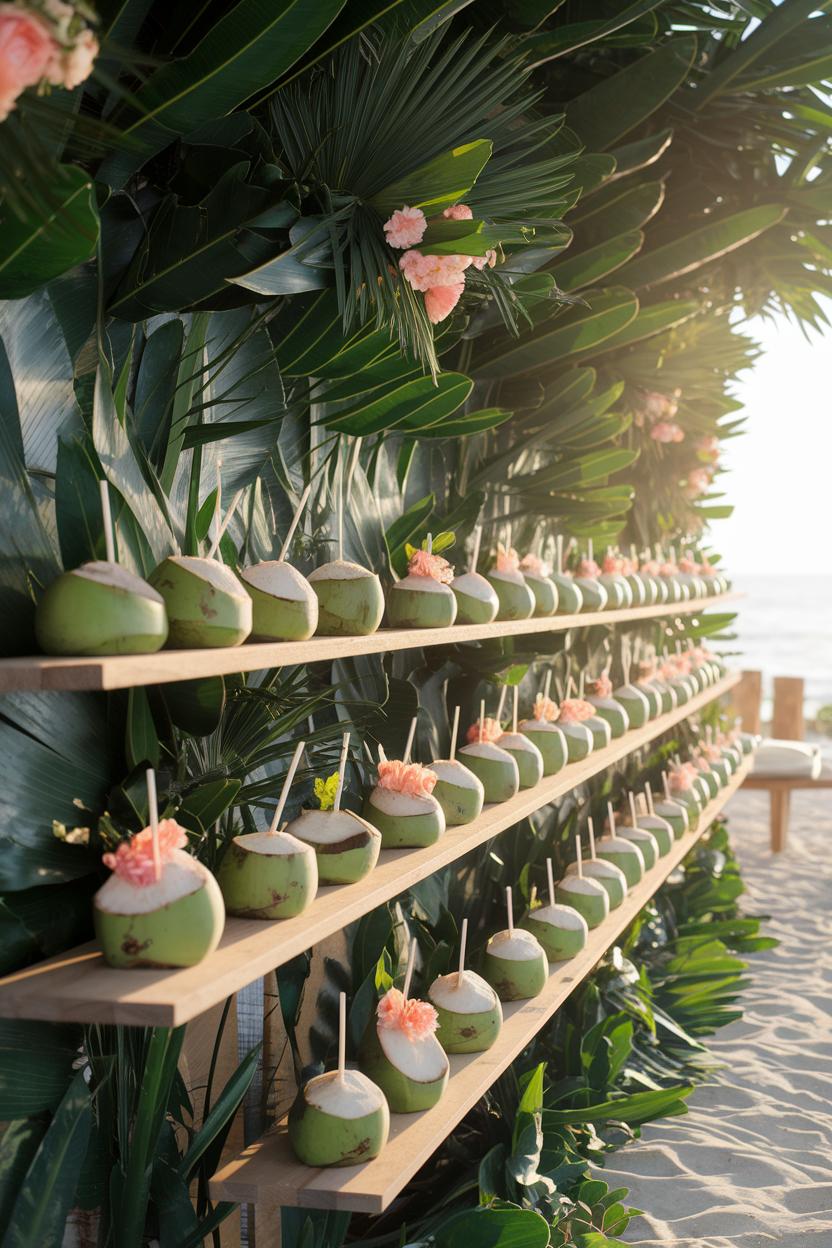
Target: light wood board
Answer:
[[78, 986], [268, 1170]]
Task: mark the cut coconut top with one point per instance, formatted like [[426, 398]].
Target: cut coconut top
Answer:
[[351, 1095], [422, 584], [423, 1060], [212, 571], [576, 727], [475, 586], [669, 808], [560, 916], [580, 884], [513, 578], [653, 821], [537, 725], [328, 827], [451, 771], [516, 946], [636, 834], [115, 576], [282, 843], [600, 869], [617, 845], [278, 578], [389, 802], [467, 993], [629, 691], [340, 570], [517, 741], [609, 704], [536, 576], [487, 750], [180, 877]]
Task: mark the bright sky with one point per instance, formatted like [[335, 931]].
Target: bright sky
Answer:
[[780, 479]]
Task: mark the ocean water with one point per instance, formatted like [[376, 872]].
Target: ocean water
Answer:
[[784, 628]]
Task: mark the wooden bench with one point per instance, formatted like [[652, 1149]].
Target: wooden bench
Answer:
[[787, 725]]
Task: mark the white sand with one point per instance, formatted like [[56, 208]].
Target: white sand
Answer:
[[750, 1166]]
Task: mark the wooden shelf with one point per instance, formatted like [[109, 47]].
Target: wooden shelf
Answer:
[[269, 1171], [124, 671], [78, 986]]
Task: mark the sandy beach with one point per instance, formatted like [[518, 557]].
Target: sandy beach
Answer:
[[751, 1164]]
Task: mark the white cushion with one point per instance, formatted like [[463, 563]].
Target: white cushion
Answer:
[[788, 758]]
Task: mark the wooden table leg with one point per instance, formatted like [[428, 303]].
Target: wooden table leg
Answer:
[[780, 804]]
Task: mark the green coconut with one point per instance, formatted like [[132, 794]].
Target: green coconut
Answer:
[[642, 591], [693, 804], [175, 921], [268, 877], [654, 700], [675, 593], [749, 742], [618, 591], [495, 767], [545, 593], [549, 740], [587, 896], [608, 875], [339, 1120], [405, 820], [458, 791], [595, 597], [601, 731], [662, 589], [614, 713], [284, 606], [469, 1012], [515, 598], [676, 815], [421, 602], [722, 770], [412, 1072], [561, 930], [527, 756], [579, 741], [515, 965], [346, 846], [681, 691], [667, 695], [476, 601], [350, 599], [100, 608], [570, 598], [634, 703], [711, 781], [645, 841], [660, 829], [623, 854], [207, 604]]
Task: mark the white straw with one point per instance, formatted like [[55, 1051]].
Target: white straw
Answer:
[[295, 519], [547, 684], [454, 731], [409, 746], [666, 783], [475, 554], [611, 818], [551, 878], [463, 940], [559, 549], [217, 508], [153, 809], [226, 520], [340, 511], [107, 518], [482, 718], [581, 684], [649, 795], [430, 543], [510, 909], [591, 828], [284, 792], [632, 799], [589, 551], [501, 704], [579, 857], [382, 757], [342, 768], [342, 1034], [408, 975], [514, 710]]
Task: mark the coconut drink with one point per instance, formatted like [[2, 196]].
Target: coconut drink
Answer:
[[680, 787], [644, 595], [707, 774], [645, 841], [659, 829], [515, 963], [401, 1053], [424, 599], [467, 1008], [644, 684], [607, 874], [101, 607], [597, 724], [523, 750], [674, 812], [458, 791], [570, 598], [346, 846], [561, 930], [517, 602], [206, 603], [160, 907], [536, 575], [606, 706], [493, 766], [586, 895], [272, 874], [340, 1118], [619, 593], [635, 704], [476, 600], [622, 853], [574, 713], [350, 599], [595, 596], [284, 606], [402, 805], [544, 732]]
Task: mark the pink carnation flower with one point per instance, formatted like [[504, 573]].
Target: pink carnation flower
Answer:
[[709, 447], [440, 301], [424, 272], [588, 567], [534, 565], [667, 431], [668, 568], [575, 710], [416, 1019], [688, 565], [507, 560], [26, 50], [458, 212], [410, 778], [490, 259], [602, 687], [697, 482], [545, 709], [651, 567], [612, 563], [490, 731], [76, 63], [133, 860], [406, 227], [434, 566]]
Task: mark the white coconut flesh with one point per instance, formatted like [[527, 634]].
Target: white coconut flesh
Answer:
[[513, 578], [339, 570], [278, 579], [618, 845], [467, 993], [487, 750], [217, 575], [651, 821], [422, 584], [580, 884], [537, 725], [351, 1095], [423, 1060], [670, 808], [330, 827], [389, 802], [533, 576], [599, 869], [474, 585], [452, 772], [516, 946], [281, 844], [560, 916], [516, 741], [606, 704], [114, 576], [180, 877], [629, 691]]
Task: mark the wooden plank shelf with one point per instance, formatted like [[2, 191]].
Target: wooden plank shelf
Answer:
[[123, 671], [268, 1169], [77, 986]]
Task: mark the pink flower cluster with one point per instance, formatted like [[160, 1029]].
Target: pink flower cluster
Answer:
[[42, 41], [133, 860], [534, 565], [588, 567], [423, 564], [697, 482], [657, 406], [410, 778], [602, 687], [667, 431], [489, 730], [575, 710], [682, 777], [545, 709], [507, 560], [416, 1019], [646, 669], [440, 278]]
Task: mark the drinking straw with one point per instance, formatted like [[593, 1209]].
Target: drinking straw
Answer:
[[408, 975], [463, 939], [342, 766], [295, 518], [153, 807], [284, 792], [106, 514], [454, 731], [409, 745]]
